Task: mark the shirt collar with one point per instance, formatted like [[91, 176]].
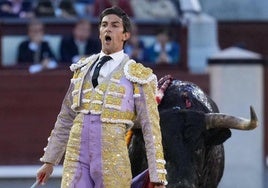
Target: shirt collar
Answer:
[[117, 56]]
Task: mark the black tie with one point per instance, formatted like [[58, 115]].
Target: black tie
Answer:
[[95, 76]]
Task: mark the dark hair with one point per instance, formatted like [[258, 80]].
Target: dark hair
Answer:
[[34, 22], [82, 21], [120, 13]]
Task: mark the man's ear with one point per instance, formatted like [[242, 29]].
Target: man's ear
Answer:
[[126, 36]]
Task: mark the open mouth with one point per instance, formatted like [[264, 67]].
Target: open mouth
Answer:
[[108, 38]]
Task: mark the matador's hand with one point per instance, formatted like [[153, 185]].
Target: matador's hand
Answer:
[[44, 173]]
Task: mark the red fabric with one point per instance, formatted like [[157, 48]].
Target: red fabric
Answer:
[[147, 183], [150, 185]]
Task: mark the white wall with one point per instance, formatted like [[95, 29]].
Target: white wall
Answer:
[[10, 44], [236, 9], [234, 88]]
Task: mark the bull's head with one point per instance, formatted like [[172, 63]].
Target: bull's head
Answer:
[[186, 95]]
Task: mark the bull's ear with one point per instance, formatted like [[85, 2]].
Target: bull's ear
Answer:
[[217, 136]]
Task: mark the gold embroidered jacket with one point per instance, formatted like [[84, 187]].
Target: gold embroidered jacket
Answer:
[[126, 96]]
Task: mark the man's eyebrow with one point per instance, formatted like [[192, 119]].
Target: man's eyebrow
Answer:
[[104, 22], [113, 22], [117, 22]]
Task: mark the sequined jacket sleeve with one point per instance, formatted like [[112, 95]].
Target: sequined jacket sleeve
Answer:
[[148, 119], [58, 139]]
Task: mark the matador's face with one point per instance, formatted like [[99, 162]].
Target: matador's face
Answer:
[[112, 34]]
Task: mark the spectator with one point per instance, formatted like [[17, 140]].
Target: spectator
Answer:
[[134, 46], [55, 8], [35, 51], [84, 8], [79, 44], [153, 9], [16, 8], [164, 50], [100, 5]]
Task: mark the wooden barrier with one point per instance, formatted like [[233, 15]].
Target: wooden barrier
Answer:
[[28, 109], [251, 35]]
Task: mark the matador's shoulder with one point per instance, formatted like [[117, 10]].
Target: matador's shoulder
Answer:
[[138, 73], [84, 61]]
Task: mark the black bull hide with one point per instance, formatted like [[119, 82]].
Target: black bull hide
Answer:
[[194, 155]]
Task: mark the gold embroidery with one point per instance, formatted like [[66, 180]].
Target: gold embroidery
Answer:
[[72, 152], [86, 85], [117, 75], [83, 63], [112, 87], [136, 90], [97, 97], [75, 75], [154, 121], [102, 87], [95, 108], [139, 71], [116, 90], [88, 89], [116, 164], [113, 100], [80, 84], [77, 85], [114, 116]]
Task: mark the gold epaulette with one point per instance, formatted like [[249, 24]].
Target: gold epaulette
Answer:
[[137, 73], [83, 61]]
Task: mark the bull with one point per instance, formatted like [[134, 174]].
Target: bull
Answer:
[[193, 133]]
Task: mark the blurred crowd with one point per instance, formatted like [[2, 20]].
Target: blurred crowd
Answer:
[[142, 9], [36, 51]]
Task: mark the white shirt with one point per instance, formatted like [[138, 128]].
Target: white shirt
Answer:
[[109, 66]]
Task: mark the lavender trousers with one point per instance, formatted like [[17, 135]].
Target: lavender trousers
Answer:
[[89, 171]]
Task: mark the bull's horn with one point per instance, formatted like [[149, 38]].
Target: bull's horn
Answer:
[[218, 120]]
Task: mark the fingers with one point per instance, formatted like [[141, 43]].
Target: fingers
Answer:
[[44, 173], [43, 180], [40, 178]]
